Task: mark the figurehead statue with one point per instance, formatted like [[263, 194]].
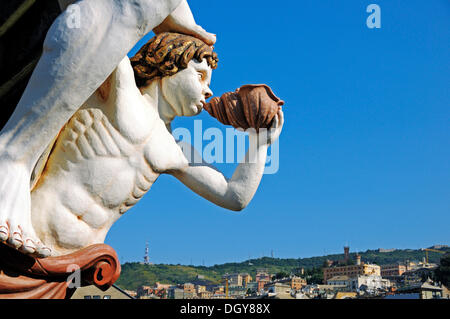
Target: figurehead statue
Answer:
[[92, 134]]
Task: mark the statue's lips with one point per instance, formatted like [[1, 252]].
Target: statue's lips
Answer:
[[201, 106]]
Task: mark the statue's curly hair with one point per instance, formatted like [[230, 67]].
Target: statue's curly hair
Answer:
[[168, 53]]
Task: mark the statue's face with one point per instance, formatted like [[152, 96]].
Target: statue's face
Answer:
[[187, 90]]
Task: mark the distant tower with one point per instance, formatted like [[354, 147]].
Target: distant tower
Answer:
[[346, 253], [146, 256], [358, 259], [271, 253]]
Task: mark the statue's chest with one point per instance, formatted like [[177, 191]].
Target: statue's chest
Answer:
[[116, 181], [114, 168]]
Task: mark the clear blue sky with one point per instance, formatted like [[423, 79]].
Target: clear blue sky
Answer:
[[364, 154]]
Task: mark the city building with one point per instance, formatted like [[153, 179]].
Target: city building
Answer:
[[246, 278], [279, 290], [157, 291], [339, 281], [262, 283], [415, 276], [329, 289], [430, 291], [189, 288], [237, 291], [199, 289], [370, 283], [297, 283], [389, 250], [294, 282], [439, 246], [234, 279], [144, 291], [219, 290], [175, 293], [425, 290], [392, 270], [159, 286], [252, 287], [262, 274], [189, 291], [238, 279], [346, 254], [92, 292], [205, 294], [418, 265], [278, 287], [351, 271], [262, 278], [360, 268], [218, 295]]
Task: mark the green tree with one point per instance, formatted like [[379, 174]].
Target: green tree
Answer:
[[443, 272]]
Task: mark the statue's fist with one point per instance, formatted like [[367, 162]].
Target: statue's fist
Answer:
[[273, 133], [269, 135]]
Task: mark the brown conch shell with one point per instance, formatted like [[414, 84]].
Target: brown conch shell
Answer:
[[250, 106]]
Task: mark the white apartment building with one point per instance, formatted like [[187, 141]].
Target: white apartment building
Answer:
[[368, 282]]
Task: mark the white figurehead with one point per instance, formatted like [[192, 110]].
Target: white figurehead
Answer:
[[76, 60], [116, 145]]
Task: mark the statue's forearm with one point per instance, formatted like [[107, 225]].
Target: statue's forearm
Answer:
[[234, 193], [245, 180]]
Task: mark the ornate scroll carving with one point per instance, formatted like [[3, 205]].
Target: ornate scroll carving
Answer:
[[25, 277]]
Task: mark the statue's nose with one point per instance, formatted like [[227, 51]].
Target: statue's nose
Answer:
[[208, 93]]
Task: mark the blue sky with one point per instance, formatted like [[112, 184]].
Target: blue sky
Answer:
[[364, 154]]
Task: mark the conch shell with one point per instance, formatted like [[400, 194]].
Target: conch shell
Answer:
[[250, 106]]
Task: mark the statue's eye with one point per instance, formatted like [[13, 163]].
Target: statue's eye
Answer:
[[201, 75]]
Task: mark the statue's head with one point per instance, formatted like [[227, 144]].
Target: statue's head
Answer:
[[183, 66]]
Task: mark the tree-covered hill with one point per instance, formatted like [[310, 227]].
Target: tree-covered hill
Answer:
[[136, 274]]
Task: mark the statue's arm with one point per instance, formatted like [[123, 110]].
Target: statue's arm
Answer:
[[237, 192]]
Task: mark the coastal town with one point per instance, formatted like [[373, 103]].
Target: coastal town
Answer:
[[348, 278]]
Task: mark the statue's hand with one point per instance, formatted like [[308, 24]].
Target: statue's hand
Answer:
[[270, 135], [182, 21]]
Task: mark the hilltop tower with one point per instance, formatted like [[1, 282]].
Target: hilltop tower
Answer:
[[146, 256], [346, 254]]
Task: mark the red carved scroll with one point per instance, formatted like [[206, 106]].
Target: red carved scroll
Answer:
[[25, 277]]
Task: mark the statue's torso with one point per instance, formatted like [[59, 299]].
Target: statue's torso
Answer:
[[99, 167]]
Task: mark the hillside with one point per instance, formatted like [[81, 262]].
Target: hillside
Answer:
[[136, 274]]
